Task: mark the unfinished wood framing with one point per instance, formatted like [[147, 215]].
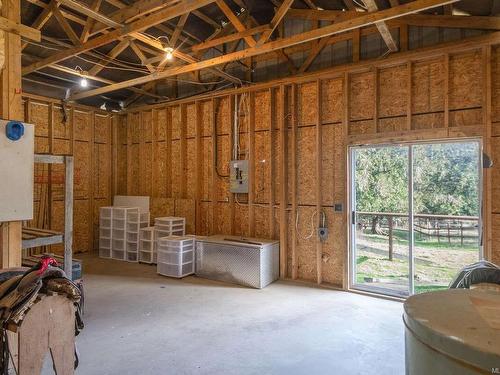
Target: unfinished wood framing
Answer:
[[325, 112]]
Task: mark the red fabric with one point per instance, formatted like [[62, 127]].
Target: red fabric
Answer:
[[44, 264]]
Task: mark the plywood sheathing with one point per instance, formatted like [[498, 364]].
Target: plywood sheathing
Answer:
[[401, 101], [85, 134]]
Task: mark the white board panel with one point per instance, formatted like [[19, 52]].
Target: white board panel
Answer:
[[132, 201], [16, 175]]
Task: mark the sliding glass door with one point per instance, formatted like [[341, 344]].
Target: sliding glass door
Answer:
[[415, 215]]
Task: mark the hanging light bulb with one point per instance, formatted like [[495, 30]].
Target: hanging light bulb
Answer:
[[84, 82], [83, 74], [169, 53]]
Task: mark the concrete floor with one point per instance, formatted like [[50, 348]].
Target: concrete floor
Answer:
[[140, 323]]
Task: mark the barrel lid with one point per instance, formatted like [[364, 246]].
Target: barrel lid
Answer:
[[461, 323]]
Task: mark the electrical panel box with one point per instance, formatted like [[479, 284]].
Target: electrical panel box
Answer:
[[238, 176], [17, 160]]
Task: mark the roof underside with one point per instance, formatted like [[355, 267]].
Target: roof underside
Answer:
[[134, 51]]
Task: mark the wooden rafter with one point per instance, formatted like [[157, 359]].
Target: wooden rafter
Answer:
[[178, 29], [136, 26], [141, 56], [96, 4], [278, 16], [119, 48], [19, 29], [63, 22], [235, 21], [42, 19], [336, 28], [463, 22], [382, 27], [134, 11]]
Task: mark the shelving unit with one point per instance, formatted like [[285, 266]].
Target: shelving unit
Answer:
[[175, 256], [105, 231], [147, 245], [35, 237], [170, 226]]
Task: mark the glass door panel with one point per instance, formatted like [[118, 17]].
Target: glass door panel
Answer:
[[446, 205], [380, 219]]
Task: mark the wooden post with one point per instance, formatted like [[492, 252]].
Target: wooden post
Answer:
[[68, 217], [283, 183], [319, 178], [272, 126], [390, 222], [251, 166], [11, 108], [293, 156]]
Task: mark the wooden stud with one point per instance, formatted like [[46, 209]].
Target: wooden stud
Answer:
[[283, 182], [214, 167], [155, 157], [232, 109], [293, 156], [272, 127], [251, 166], [409, 83], [92, 166], [345, 132], [356, 45], [183, 160], [198, 172], [376, 98], [487, 172], [446, 90], [168, 141], [403, 38], [319, 179]]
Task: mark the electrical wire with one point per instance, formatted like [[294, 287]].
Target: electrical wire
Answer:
[[297, 226]]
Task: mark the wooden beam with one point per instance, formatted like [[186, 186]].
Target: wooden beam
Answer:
[[178, 29], [88, 12], [235, 21], [229, 38], [340, 27], [319, 180], [11, 108], [19, 29], [427, 20], [207, 19], [136, 26], [115, 52], [134, 11], [283, 175], [382, 27], [278, 16], [141, 56], [63, 22], [96, 4], [42, 19]]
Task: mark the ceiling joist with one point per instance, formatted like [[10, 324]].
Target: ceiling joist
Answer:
[[363, 20]]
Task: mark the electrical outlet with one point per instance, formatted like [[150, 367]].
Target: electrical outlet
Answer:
[[323, 234]]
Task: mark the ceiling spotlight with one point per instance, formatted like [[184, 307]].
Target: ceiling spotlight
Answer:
[[169, 53]]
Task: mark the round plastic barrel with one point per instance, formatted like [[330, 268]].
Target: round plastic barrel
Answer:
[[455, 331]]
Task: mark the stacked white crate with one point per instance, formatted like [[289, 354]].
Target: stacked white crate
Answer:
[[147, 245], [135, 221], [175, 256], [119, 236], [169, 226], [105, 231]]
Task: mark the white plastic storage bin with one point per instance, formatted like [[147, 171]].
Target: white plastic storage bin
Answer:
[[175, 256], [147, 233], [104, 252], [106, 212]]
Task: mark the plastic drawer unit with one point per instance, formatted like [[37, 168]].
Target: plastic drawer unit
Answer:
[[252, 262]]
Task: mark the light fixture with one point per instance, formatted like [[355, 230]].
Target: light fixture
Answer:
[[83, 74], [169, 53]]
